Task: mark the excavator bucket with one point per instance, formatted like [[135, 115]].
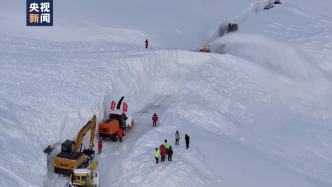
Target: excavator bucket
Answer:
[[93, 165], [48, 149]]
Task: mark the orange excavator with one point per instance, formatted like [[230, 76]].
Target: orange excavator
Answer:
[[71, 156], [108, 128]]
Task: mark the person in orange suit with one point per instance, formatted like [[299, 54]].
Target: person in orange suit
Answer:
[[146, 43], [154, 119], [100, 146]]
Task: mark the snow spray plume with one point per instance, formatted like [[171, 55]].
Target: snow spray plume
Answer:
[[119, 103], [289, 70], [273, 56]]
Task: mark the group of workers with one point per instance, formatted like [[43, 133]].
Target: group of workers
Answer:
[[164, 149], [167, 150]]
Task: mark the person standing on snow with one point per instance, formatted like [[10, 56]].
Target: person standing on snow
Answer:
[[100, 146], [157, 155], [154, 119], [146, 43], [163, 152], [187, 140], [177, 137], [170, 153], [166, 145], [120, 134]]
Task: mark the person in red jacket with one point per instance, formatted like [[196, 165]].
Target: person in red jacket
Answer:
[[154, 119], [163, 152], [120, 134], [146, 43], [100, 146]]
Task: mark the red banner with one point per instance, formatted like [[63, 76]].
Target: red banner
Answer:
[[113, 105], [125, 107]]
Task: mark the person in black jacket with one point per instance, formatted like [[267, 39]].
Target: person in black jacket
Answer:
[[170, 153], [187, 140]]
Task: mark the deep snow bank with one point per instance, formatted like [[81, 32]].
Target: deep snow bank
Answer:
[[241, 129], [241, 135], [211, 97], [50, 90]]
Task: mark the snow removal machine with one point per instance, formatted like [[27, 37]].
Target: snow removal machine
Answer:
[[277, 2], [85, 177], [118, 121], [71, 156], [206, 49], [232, 27], [272, 5]]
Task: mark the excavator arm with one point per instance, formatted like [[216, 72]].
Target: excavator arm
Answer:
[[90, 125], [92, 134]]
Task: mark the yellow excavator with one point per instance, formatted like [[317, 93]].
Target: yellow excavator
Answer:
[[71, 156]]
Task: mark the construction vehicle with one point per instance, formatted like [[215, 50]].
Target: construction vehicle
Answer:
[[85, 177], [232, 27], [276, 2], [272, 5], [71, 156], [108, 128], [206, 49]]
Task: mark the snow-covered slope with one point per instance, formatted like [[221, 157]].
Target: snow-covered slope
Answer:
[[168, 24], [257, 116]]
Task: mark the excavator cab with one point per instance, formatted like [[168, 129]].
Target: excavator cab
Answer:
[[68, 146]]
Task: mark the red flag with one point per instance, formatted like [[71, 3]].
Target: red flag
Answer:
[[113, 105], [125, 107]]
